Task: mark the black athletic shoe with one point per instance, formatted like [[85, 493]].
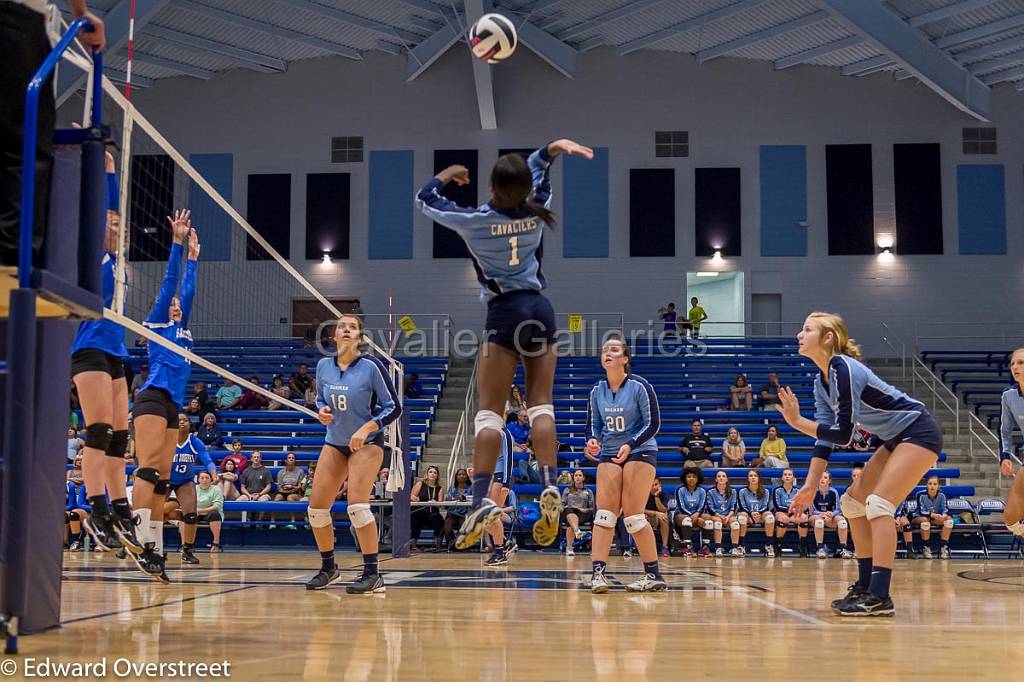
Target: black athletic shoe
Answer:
[[323, 579], [855, 592], [497, 559], [366, 584], [157, 567], [802, 549], [476, 522], [867, 605], [125, 531], [101, 530], [511, 547], [189, 557]]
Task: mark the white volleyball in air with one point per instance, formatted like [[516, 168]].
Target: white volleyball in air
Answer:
[[493, 38]]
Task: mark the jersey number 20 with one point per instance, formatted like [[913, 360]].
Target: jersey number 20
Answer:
[[339, 402], [615, 423]]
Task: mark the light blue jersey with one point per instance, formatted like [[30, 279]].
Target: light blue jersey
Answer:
[[927, 505], [1011, 414], [749, 502], [628, 416], [359, 394], [186, 455], [721, 504], [782, 498], [853, 396], [691, 503], [504, 466], [168, 370], [507, 248]]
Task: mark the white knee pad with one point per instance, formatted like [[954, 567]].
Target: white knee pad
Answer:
[[538, 410], [710, 525], [635, 523], [925, 525], [768, 518], [852, 509], [734, 525], [819, 523], [360, 515], [318, 518], [876, 507], [1016, 528], [948, 523], [687, 522], [718, 525], [485, 419], [605, 518], [842, 524]]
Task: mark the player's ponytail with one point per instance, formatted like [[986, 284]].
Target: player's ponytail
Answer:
[[539, 211], [842, 343], [512, 188]]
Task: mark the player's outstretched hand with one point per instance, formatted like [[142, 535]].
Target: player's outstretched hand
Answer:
[[457, 174], [181, 223], [570, 147], [193, 245], [1006, 467], [790, 405], [801, 500]]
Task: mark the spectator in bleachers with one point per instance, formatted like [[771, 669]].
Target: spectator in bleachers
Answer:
[[310, 397], [427, 489], [770, 392], [461, 490], [696, 447], [668, 315], [754, 504], [694, 318], [277, 387], [236, 454], [310, 335], [75, 444], [412, 389], [210, 433], [734, 450], [299, 383], [256, 480], [578, 508], [773, 449], [228, 395], [529, 468], [228, 482], [138, 380], [656, 512], [308, 490], [741, 395], [75, 474], [194, 413], [721, 512], [203, 396], [691, 501], [76, 508], [520, 430], [904, 527], [291, 482], [933, 512], [380, 486], [825, 514], [515, 405], [210, 507], [251, 400], [782, 496]]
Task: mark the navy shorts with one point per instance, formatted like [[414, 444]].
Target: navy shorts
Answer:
[[156, 402], [522, 321], [924, 432], [377, 440], [648, 456], [95, 360]]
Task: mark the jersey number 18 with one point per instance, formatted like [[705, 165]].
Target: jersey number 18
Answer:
[[339, 402]]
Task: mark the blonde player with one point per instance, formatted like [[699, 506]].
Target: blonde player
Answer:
[[1013, 413]]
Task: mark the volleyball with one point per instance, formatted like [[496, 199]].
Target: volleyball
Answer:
[[493, 38]]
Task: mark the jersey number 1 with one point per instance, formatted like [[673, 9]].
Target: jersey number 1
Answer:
[[514, 243]]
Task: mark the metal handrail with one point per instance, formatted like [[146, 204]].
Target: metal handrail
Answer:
[[462, 432]]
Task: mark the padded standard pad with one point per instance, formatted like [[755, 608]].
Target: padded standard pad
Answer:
[[539, 410], [98, 436], [318, 518], [876, 507], [734, 525], [360, 515], [852, 509], [948, 523], [190, 518], [635, 523], [819, 523], [925, 525], [687, 522], [768, 518], [486, 419], [118, 444], [605, 518], [1016, 528], [842, 524], [709, 525], [718, 525]]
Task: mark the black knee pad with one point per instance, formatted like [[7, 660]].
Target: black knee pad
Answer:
[[907, 529], [190, 518], [118, 444], [74, 516], [805, 524], [148, 474], [98, 436], [162, 487]]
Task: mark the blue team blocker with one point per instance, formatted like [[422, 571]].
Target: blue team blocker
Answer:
[[37, 353]]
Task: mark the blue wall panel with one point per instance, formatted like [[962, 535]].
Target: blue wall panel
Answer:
[[981, 206], [783, 200], [214, 224], [391, 204], [585, 206]]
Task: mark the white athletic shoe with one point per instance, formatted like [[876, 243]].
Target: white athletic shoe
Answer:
[[736, 552], [569, 552], [846, 554], [944, 552], [648, 583], [476, 522], [927, 551], [599, 583], [822, 553], [769, 552], [719, 552]]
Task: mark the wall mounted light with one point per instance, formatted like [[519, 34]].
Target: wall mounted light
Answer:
[[707, 274], [886, 255], [885, 240], [326, 259], [717, 258]]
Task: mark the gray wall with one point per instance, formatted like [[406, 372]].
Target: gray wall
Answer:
[[284, 122]]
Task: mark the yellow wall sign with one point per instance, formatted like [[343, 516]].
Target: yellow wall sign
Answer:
[[575, 323], [406, 324]]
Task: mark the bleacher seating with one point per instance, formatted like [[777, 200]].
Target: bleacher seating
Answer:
[[977, 376]]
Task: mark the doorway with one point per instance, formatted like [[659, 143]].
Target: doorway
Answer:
[[721, 295]]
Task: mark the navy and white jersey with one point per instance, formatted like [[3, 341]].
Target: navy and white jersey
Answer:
[[628, 416], [927, 505], [102, 334], [781, 498], [507, 248], [826, 502], [168, 370], [690, 503], [850, 396], [721, 504], [901, 510], [186, 455], [1012, 414], [749, 502], [504, 467], [361, 393]]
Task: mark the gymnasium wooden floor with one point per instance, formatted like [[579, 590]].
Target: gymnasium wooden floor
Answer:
[[447, 617]]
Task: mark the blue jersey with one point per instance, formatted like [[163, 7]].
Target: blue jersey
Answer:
[[504, 466], [185, 457], [1011, 414], [827, 502], [691, 503], [781, 498], [168, 370], [749, 502], [507, 247], [76, 497], [359, 394], [102, 334], [853, 396], [628, 416], [927, 505], [721, 504]]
